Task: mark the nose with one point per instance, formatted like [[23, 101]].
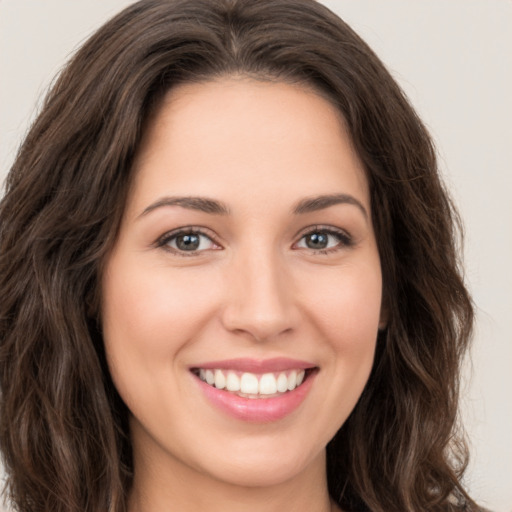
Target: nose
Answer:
[[261, 297]]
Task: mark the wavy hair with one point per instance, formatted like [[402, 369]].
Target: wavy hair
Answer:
[[63, 428]]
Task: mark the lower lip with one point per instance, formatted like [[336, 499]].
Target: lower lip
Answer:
[[259, 410]]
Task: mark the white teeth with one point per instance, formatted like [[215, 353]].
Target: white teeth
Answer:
[[232, 382], [268, 384], [210, 379], [282, 383], [292, 380], [220, 380], [251, 385]]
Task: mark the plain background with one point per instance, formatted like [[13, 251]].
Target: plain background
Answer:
[[454, 60]]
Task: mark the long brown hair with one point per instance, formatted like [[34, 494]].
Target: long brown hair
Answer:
[[63, 427]]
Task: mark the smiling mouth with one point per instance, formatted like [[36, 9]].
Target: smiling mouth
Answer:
[[254, 385]]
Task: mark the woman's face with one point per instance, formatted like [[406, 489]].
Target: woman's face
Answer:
[[246, 261]]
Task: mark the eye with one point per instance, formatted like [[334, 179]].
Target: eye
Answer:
[[191, 241], [323, 239]]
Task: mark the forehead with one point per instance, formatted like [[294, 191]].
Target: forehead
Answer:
[[238, 137]]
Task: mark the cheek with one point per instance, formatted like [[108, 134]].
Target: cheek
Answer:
[[151, 310], [148, 316], [343, 307], [346, 311], [346, 305]]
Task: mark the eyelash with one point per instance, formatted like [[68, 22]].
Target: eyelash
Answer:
[[344, 239], [164, 241]]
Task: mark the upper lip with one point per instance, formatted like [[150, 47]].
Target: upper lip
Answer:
[[276, 364]]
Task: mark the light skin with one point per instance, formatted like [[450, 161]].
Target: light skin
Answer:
[[283, 263]]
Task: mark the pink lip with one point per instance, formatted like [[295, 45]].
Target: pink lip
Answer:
[[277, 364], [258, 410]]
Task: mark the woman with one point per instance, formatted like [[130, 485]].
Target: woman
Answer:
[[229, 275]]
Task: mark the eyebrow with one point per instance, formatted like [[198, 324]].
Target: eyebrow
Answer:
[[313, 204], [202, 204], [212, 206]]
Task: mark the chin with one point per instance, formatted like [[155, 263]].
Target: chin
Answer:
[[258, 473], [264, 463]]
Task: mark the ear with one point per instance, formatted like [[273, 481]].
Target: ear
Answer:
[[384, 315]]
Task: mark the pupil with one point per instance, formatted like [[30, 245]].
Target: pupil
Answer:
[[317, 241], [187, 242]]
